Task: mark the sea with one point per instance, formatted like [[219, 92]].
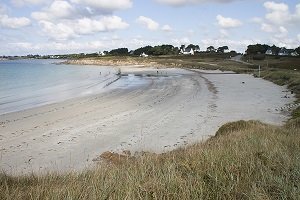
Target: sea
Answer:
[[29, 83]]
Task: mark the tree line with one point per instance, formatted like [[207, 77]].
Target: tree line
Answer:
[[263, 48], [165, 49]]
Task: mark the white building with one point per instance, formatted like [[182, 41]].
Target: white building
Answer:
[[294, 53], [269, 52], [283, 52], [144, 55], [187, 51], [101, 53]]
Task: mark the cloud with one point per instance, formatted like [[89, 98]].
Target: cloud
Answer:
[[13, 22], [105, 24], [226, 22], [58, 31], [282, 33], [279, 13], [148, 23], [56, 10], [181, 41], [298, 36], [189, 2], [28, 2], [267, 28], [238, 45], [62, 47], [167, 28], [63, 9], [256, 20], [105, 5], [53, 47], [74, 28], [224, 33], [3, 9], [290, 43]]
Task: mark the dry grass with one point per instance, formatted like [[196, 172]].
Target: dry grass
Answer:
[[246, 160]]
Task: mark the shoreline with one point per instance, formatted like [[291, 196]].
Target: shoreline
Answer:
[[164, 114]]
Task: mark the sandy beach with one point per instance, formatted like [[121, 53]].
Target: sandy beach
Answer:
[[171, 110]]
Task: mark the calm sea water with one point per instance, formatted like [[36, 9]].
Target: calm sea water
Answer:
[[30, 83]]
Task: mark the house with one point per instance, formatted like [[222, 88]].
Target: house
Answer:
[[144, 55], [102, 53], [270, 52], [187, 51], [294, 53], [283, 52]]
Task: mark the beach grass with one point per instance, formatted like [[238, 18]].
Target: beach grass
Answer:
[[245, 160]]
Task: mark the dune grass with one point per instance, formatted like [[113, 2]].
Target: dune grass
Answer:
[[245, 160]]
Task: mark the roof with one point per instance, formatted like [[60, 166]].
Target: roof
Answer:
[[187, 50]]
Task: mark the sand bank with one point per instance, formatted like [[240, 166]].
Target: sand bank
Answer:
[[174, 108]]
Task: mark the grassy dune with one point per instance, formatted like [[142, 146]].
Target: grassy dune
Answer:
[[245, 160]]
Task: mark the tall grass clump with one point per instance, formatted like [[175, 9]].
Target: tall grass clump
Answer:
[[245, 160]]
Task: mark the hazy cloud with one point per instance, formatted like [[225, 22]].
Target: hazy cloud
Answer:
[[181, 41], [57, 31], [7, 21], [148, 23], [188, 2], [279, 13], [56, 10], [73, 28], [105, 5], [238, 45], [227, 22], [28, 2], [267, 28], [167, 28], [106, 23], [256, 20], [13, 22]]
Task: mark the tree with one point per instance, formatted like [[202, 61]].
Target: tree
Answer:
[[222, 49], [164, 49], [146, 50], [298, 50], [182, 47], [194, 47], [257, 49], [210, 49], [119, 52], [275, 49]]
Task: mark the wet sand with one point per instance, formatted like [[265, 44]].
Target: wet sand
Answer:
[[173, 108]]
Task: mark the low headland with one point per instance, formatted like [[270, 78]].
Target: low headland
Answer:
[[244, 160]]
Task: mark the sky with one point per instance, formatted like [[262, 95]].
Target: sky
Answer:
[[86, 26]]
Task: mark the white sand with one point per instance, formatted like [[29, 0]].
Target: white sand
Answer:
[[158, 116]]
